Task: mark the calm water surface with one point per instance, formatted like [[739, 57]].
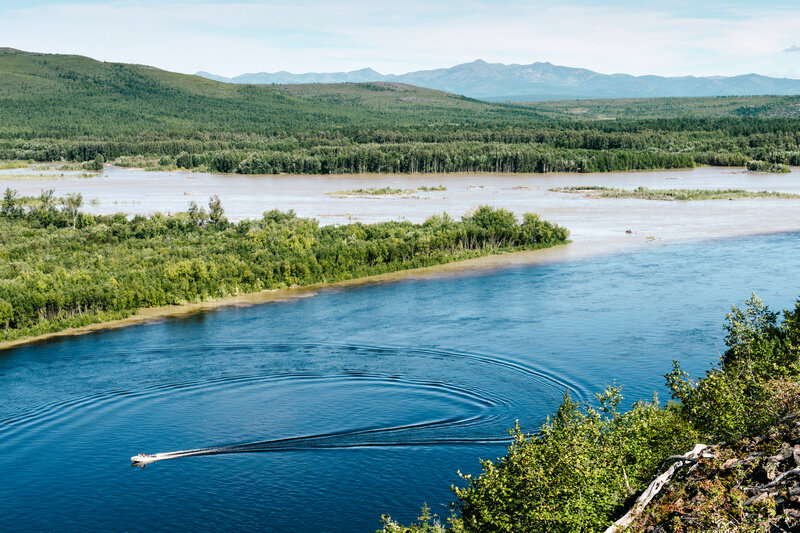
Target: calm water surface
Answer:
[[354, 402]]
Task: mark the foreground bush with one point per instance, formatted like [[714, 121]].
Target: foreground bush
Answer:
[[582, 469]]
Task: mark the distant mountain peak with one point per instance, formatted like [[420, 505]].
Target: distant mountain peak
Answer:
[[541, 80], [366, 71]]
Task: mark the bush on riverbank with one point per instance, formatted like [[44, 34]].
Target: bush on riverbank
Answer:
[[61, 268], [582, 469], [681, 195], [768, 166]]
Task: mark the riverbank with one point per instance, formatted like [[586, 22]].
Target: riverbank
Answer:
[[380, 356], [597, 225], [591, 220], [152, 314], [478, 265], [67, 269], [748, 401]]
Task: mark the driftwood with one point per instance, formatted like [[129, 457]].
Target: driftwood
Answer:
[[777, 481], [656, 486]]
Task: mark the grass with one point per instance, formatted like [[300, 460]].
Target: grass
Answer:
[[26, 177], [373, 191], [645, 193], [46, 177], [12, 164], [386, 191]]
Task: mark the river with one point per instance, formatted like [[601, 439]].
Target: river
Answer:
[[357, 401], [594, 223]]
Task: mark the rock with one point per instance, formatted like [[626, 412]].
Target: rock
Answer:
[[760, 497], [771, 469], [784, 453], [729, 464], [796, 455], [794, 490]]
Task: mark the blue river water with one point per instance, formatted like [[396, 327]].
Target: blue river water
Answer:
[[320, 414]]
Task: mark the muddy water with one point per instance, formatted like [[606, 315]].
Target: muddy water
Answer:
[[596, 222]]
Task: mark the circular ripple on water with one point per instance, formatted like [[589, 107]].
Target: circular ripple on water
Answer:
[[248, 397]]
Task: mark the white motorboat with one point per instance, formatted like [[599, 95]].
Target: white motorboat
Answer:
[[144, 459]]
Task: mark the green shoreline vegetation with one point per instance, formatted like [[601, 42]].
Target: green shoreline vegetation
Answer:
[[374, 191], [645, 193], [768, 167], [13, 164], [387, 191], [81, 111], [586, 464], [61, 268], [44, 177]]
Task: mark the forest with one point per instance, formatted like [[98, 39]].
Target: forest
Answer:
[[583, 468], [74, 109], [62, 268]]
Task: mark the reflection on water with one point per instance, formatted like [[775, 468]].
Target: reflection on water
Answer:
[[323, 413]]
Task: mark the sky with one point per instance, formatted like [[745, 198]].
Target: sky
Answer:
[[228, 38]]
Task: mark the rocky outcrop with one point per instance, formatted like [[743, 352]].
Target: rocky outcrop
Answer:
[[752, 485]]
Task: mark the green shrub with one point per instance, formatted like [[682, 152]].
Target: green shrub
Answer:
[[581, 470], [572, 475], [766, 166], [738, 399], [64, 268]]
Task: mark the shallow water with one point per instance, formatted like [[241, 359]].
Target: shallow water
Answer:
[[322, 413], [592, 221], [135, 191]]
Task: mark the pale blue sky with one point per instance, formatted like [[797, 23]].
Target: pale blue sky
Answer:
[[232, 37]]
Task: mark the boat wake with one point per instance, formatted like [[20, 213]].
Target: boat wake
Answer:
[[399, 436], [346, 396]]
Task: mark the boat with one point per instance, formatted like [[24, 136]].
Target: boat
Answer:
[[144, 459]]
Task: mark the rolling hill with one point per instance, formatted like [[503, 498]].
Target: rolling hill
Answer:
[[73, 108], [55, 95]]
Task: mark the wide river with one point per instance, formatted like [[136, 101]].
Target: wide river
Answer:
[[322, 413], [594, 223]]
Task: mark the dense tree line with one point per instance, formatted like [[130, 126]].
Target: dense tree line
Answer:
[[68, 108], [580, 470], [60, 267], [572, 148]]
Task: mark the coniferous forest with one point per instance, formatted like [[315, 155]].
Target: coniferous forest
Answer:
[[74, 109]]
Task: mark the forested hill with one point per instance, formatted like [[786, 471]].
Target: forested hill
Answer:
[[72, 108], [50, 95], [65, 95]]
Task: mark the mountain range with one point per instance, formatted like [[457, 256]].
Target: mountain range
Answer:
[[540, 81]]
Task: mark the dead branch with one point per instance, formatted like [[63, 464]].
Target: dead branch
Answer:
[[657, 484]]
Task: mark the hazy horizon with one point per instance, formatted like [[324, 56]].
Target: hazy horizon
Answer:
[[368, 67], [227, 38]]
